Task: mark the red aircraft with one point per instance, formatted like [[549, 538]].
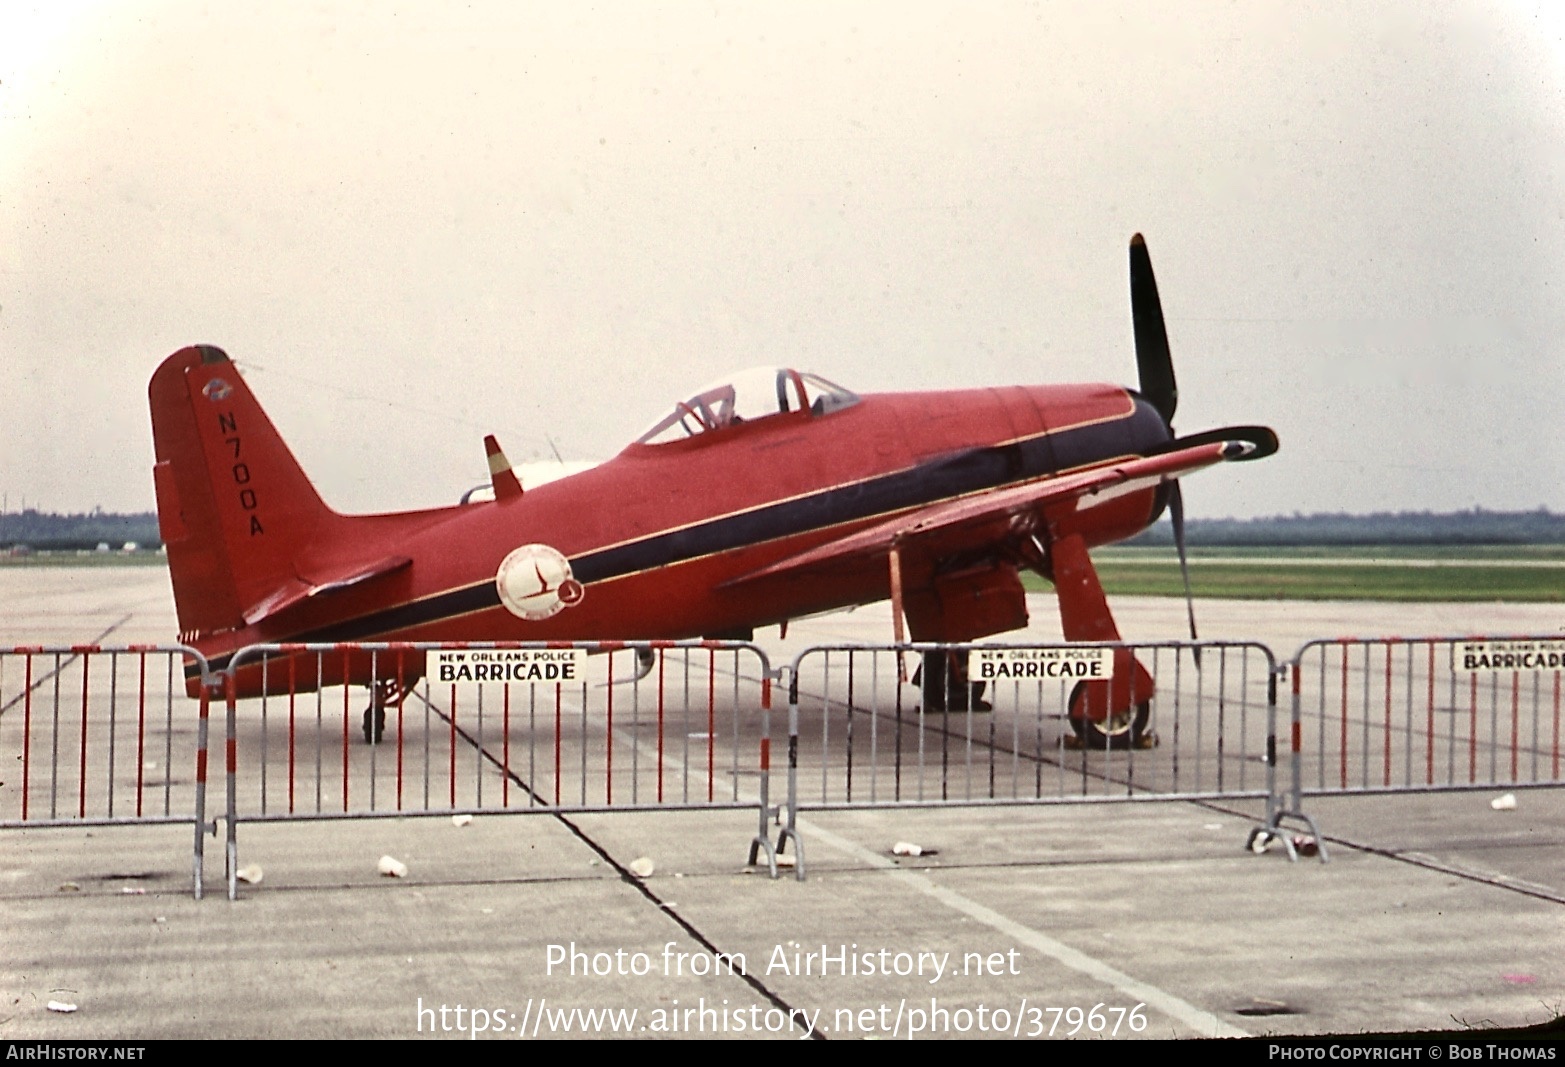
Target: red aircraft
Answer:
[[770, 496]]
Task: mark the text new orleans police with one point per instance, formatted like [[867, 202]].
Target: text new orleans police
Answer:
[[523, 665], [1070, 664]]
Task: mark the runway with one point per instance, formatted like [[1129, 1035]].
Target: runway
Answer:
[[1436, 912]]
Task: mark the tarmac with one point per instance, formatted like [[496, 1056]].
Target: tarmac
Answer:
[[1436, 912]]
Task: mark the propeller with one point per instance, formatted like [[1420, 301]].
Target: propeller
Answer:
[[1155, 364], [1153, 360]]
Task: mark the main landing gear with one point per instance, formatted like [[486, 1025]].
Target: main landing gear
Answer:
[[943, 684], [1110, 714], [1101, 720]]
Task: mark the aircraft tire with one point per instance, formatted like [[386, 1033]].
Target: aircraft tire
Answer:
[[374, 725], [1122, 730]]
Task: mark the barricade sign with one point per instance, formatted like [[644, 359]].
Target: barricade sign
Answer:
[[103, 736], [531, 666], [1498, 657]]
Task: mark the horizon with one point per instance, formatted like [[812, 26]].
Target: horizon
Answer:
[[1162, 520]]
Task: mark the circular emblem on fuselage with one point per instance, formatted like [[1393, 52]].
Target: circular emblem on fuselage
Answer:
[[535, 582]]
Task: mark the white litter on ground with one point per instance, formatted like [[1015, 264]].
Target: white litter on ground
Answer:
[[392, 867]]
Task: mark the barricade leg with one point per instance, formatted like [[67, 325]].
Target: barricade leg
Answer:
[[789, 829], [762, 839], [1280, 810]]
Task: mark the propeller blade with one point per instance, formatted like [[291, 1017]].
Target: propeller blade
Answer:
[[1176, 512], [1153, 360]]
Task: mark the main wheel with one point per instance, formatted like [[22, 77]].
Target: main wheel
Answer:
[[1121, 728], [374, 724]]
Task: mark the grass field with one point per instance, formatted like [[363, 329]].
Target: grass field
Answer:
[[1523, 573], [1526, 554], [85, 559]]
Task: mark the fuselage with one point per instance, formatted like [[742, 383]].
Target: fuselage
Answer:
[[655, 534]]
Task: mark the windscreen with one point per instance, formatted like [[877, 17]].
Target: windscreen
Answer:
[[757, 393]]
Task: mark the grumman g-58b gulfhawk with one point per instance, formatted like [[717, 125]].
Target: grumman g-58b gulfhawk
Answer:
[[770, 496]]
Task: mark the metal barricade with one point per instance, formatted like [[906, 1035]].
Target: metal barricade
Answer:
[[1202, 724], [1400, 715], [99, 736], [629, 726]]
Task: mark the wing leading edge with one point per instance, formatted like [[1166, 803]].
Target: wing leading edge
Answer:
[[1003, 512]]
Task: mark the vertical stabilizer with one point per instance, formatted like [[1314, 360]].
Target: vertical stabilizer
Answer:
[[234, 507]]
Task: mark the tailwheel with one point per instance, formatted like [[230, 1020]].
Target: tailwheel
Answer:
[[1100, 726], [943, 681], [382, 694]]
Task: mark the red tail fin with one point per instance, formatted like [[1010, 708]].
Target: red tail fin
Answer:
[[234, 507]]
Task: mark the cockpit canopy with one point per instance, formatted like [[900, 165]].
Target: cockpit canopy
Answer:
[[751, 394]]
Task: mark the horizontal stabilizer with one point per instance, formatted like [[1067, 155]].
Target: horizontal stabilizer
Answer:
[[296, 591]]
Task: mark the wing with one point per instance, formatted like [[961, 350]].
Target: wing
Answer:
[[995, 515]]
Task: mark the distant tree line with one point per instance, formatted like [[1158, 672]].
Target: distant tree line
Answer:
[[46, 531], [42, 530], [1474, 527]]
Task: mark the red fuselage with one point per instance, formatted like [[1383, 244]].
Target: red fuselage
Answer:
[[654, 534]]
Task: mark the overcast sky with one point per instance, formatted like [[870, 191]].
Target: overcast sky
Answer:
[[414, 224]]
